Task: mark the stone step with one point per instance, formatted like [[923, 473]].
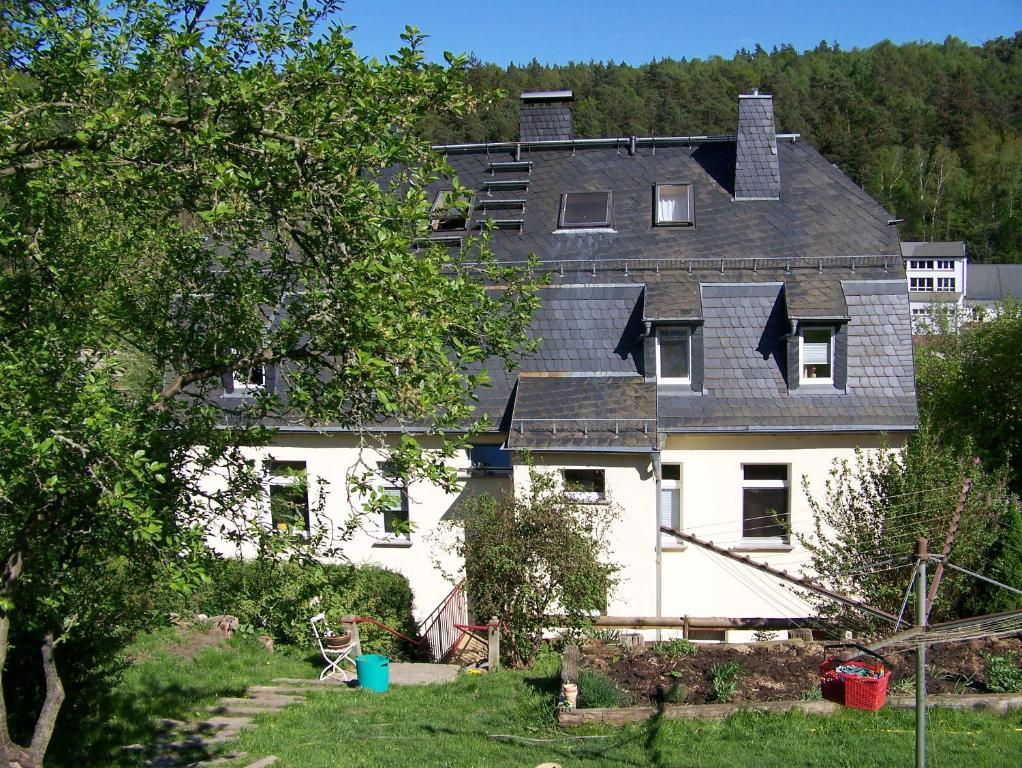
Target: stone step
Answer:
[[259, 690], [261, 701], [198, 742], [309, 682], [230, 757], [264, 762], [236, 710], [221, 722]]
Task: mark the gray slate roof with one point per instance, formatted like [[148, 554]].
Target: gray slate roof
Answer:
[[606, 413], [935, 250], [993, 282], [821, 212]]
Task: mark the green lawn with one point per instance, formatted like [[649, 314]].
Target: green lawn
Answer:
[[450, 724], [171, 676]]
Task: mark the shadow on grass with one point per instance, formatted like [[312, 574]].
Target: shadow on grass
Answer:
[[566, 746]]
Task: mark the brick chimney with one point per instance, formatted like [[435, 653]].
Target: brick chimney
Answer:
[[546, 116], [757, 173]]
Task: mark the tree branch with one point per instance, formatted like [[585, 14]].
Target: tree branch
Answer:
[[47, 720]]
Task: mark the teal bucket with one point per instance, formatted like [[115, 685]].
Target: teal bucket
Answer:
[[373, 672]]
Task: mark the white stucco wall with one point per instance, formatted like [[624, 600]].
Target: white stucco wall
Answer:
[[696, 582], [421, 558]]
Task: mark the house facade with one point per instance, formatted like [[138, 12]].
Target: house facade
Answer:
[[726, 317], [946, 289]]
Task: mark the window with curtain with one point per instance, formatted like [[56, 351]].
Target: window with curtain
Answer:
[[817, 352], [673, 205]]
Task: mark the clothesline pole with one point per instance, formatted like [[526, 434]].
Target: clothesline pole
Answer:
[[920, 623]]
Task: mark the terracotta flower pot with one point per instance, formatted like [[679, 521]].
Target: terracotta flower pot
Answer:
[[337, 642]]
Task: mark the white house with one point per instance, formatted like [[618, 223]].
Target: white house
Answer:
[[727, 315]]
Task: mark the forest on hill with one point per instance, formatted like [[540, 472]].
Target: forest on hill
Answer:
[[932, 130]]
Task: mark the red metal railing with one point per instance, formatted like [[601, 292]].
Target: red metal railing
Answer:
[[391, 630], [440, 629]]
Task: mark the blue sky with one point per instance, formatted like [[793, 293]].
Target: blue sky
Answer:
[[637, 31]]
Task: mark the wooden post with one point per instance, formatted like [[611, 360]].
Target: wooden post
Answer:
[[684, 627], [570, 660], [920, 623], [351, 625], [493, 643]]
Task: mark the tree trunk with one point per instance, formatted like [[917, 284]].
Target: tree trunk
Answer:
[[13, 755]]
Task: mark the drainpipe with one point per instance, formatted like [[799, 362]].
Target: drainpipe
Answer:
[[658, 475]]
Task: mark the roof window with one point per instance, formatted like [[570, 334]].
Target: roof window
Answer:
[[449, 211], [673, 205], [817, 352], [586, 210]]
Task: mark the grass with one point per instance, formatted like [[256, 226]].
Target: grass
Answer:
[[172, 674], [450, 724]]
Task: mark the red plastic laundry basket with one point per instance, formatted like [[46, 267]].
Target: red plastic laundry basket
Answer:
[[851, 690]]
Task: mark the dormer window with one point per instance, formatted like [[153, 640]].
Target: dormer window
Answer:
[[673, 355], [586, 210], [816, 355], [672, 206], [247, 380], [449, 211]]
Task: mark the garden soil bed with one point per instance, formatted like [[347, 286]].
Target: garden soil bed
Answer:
[[781, 670]]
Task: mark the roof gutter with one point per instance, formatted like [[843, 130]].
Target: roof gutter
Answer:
[[621, 141]]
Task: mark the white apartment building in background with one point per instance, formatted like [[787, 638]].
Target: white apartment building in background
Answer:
[[944, 287]]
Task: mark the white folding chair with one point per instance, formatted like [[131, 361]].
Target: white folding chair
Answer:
[[332, 656]]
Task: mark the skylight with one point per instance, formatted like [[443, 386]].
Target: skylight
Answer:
[[587, 209], [449, 212]]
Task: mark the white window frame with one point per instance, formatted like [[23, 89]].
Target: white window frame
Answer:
[[921, 284], [445, 201], [688, 338], [673, 486], [921, 264], [802, 378], [945, 264], [689, 220], [243, 385], [945, 285], [273, 480], [585, 497], [406, 507], [770, 541]]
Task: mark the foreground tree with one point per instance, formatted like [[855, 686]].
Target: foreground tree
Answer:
[[532, 555], [186, 201], [970, 389], [870, 514]]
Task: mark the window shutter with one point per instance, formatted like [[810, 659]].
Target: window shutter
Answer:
[[669, 507], [816, 352]]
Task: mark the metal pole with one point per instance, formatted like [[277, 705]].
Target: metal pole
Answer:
[[921, 656]]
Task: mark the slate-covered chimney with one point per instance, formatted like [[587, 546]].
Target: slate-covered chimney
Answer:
[[546, 116], [757, 174]]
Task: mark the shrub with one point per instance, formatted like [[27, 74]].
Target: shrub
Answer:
[[597, 690], [676, 694], [278, 598], [1003, 674], [674, 649], [724, 679], [534, 554]]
